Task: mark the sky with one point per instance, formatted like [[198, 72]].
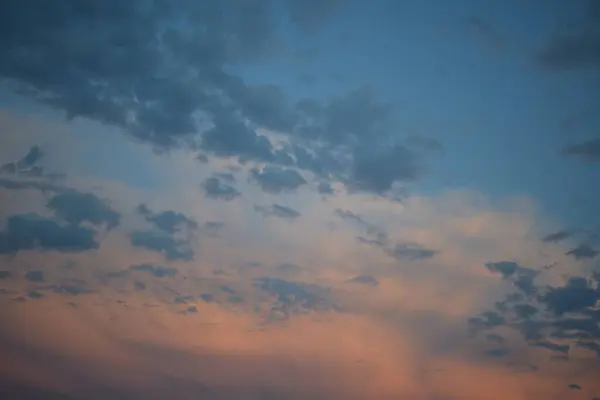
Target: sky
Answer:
[[295, 199]]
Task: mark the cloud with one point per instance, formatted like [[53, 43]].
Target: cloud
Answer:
[[156, 270], [35, 276], [411, 252], [557, 236], [76, 208], [274, 314], [277, 210], [370, 228], [276, 180], [379, 171], [180, 92], [588, 150], [576, 50], [325, 188], [583, 252], [29, 184], [169, 221], [32, 232], [216, 189], [172, 248], [574, 296], [364, 280], [521, 277], [293, 298], [559, 319], [213, 227], [26, 165]]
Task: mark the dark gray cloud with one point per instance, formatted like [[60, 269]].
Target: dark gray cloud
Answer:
[[411, 252], [557, 236], [523, 278], [559, 348], [35, 276], [157, 271], [207, 297], [277, 210], [213, 228], [4, 274], [378, 237], [230, 137], [288, 268], [162, 74], [275, 180], [325, 188], [357, 116], [380, 240], [576, 295], [25, 173], [486, 320], [556, 318], [292, 298], [216, 189], [377, 171], [33, 232], [582, 252], [588, 150], [27, 165], [173, 248], [227, 289], [42, 186], [575, 50], [173, 236], [226, 176], [364, 280], [71, 288], [505, 268], [495, 338], [525, 311], [168, 221], [499, 352], [578, 48], [34, 294], [77, 207], [369, 227], [192, 309], [134, 58]]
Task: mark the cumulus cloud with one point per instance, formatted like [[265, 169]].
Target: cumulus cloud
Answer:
[[33, 232], [171, 247], [76, 207], [216, 189], [169, 221], [276, 180]]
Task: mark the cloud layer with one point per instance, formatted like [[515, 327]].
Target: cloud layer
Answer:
[[263, 199]]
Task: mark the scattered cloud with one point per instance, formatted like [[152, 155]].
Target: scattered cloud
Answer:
[[216, 189], [277, 210], [33, 232], [276, 180]]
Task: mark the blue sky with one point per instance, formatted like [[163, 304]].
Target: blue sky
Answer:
[[398, 191]]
